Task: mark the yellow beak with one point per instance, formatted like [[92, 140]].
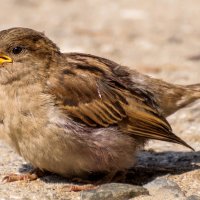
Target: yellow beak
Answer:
[[5, 59]]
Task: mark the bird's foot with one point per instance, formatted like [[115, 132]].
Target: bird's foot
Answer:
[[78, 188], [30, 176], [85, 185], [19, 177]]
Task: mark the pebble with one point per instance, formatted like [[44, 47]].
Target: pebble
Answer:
[[166, 189], [114, 191]]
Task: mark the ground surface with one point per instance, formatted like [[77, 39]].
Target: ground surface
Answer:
[[157, 37]]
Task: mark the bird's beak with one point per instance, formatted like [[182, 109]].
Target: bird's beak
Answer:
[[5, 59]]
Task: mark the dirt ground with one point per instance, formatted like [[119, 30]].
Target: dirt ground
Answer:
[[157, 37]]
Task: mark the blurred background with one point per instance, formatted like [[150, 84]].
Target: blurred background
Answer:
[[160, 37], [157, 37]]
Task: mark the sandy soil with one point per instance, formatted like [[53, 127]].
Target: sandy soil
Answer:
[[157, 37]]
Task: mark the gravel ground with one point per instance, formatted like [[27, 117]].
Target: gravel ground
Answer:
[[157, 37]]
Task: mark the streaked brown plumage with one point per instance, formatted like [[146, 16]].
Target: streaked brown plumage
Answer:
[[75, 113]]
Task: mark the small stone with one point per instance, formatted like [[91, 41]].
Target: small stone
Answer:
[[160, 183], [114, 191], [164, 187]]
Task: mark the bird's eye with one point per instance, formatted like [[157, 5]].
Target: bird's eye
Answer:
[[17, 50]]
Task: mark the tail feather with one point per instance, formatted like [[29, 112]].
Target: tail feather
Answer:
[[177, 97], [194, 87]]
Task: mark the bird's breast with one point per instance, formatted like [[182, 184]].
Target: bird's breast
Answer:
[[23, 111]]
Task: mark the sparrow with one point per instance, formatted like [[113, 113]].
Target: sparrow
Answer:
[[74, 113]]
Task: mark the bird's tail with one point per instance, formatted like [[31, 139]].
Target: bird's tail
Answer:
[[195, 88], [176, 97], [193, 92], [188, 95]]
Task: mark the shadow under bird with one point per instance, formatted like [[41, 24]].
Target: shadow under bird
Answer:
[[72, 113]]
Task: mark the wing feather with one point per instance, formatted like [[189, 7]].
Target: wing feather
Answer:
[[92, 94]]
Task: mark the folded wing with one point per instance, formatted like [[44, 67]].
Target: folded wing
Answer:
[[88, 91]]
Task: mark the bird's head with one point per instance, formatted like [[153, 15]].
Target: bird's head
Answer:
[[25, 52]]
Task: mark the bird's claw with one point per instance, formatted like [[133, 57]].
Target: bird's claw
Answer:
[[19, 177]]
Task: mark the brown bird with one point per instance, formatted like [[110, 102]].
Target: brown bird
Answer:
[[75, 113]]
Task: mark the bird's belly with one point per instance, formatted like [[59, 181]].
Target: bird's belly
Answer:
[[59, 150]]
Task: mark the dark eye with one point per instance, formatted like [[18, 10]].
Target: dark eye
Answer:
[[17, 50]]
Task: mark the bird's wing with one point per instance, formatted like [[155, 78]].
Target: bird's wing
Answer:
[[88, 91]]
